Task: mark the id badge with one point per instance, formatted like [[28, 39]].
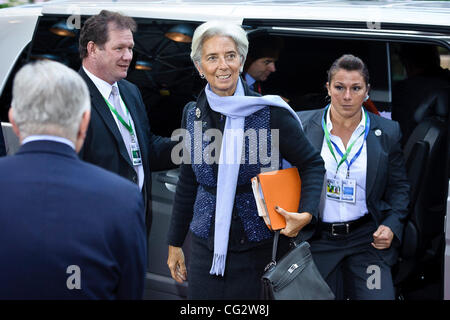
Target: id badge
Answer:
[[349, 190], [334, 189], [135, 154]]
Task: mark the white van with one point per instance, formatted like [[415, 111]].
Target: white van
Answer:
[[315, 33]]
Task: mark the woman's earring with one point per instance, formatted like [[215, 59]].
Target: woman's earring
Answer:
[[202, 76], [366, 98]]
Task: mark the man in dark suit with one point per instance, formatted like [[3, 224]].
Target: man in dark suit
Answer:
[[119, 137], [263, 52], [69, 229]]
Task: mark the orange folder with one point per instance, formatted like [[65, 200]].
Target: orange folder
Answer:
[[276, 188]]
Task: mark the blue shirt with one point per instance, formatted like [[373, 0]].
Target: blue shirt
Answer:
[[250, 81]]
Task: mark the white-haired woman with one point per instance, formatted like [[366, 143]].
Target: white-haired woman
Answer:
[[231, 245]]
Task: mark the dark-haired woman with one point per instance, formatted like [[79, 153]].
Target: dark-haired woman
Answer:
[[365, 195]]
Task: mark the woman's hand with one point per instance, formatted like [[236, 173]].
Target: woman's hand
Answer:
[[294, 221], [382, 238], [176, 264]]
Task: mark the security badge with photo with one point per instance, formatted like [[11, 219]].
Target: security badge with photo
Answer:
[[135, 152], [341, 189]]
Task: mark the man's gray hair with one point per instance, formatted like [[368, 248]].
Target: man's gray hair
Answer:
[[219, 28], [49, 98]]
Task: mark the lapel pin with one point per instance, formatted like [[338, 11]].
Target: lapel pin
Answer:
[[198, 113], [378, 132]]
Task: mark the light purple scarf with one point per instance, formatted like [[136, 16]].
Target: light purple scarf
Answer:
[[235, 108]]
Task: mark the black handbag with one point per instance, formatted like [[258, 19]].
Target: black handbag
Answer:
[[295, 276]]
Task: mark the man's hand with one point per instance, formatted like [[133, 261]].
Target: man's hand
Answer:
[[382, 238], [176, 264], [294, 221]]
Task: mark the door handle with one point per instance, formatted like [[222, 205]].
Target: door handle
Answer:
[[169, 181], [164, 178]]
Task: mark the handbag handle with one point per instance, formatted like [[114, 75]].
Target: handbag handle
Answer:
[[294, 243], [297, 240], [275, 246]]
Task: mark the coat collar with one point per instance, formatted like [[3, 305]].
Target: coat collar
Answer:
[[47, 146], [205, 110], [314, 129], [374, 148]]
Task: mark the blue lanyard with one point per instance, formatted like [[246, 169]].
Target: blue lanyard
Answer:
[[344, 156]]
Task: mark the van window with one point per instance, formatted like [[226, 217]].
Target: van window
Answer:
[[418, 71], [6, 94], [303, 64], [444, 57], [167, 78]]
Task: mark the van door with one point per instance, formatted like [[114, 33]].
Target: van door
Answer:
[[447, 253], [310, 48]]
